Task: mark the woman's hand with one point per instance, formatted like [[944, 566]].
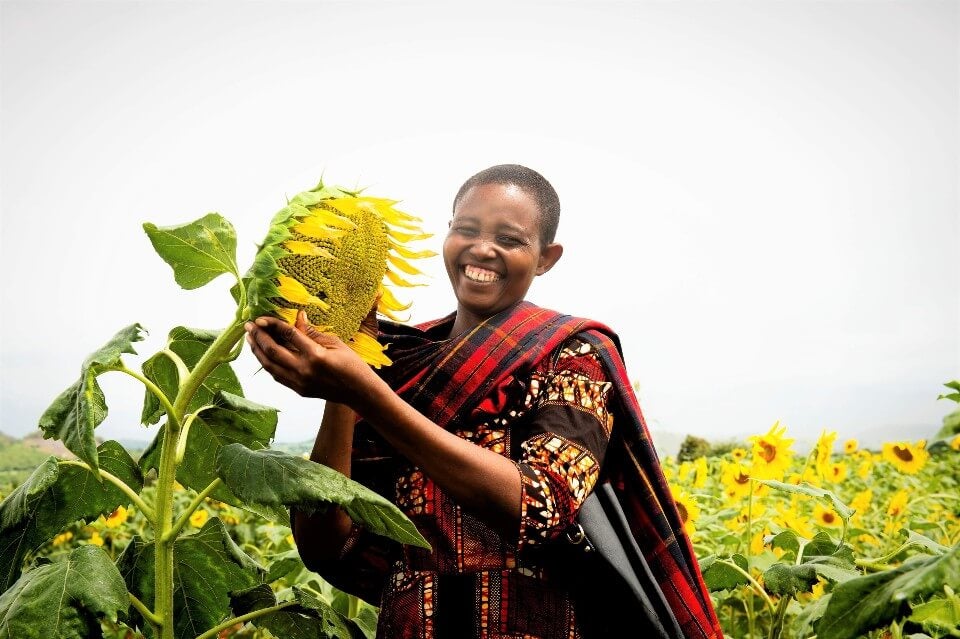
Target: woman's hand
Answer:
[[311, 363]]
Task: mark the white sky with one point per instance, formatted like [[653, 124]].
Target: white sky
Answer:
[[761, 198]]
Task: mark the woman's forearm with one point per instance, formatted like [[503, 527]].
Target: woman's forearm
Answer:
[[482, 481]]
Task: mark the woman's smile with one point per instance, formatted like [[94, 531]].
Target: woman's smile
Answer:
[[480, 274]]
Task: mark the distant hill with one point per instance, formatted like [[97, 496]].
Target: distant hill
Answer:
[[29, 452]]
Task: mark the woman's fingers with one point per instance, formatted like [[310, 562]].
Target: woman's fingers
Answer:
[[268, 348]]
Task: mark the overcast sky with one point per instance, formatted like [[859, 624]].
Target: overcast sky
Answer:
[[761, 198]]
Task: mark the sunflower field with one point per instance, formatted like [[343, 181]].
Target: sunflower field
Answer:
[[836, 542]]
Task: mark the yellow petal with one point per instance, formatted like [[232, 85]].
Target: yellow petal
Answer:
[[289, 315], [388, 301], [312, 228], [299, 247], [369, 349], [412, 255], [329, 218], [407, 237], [293, 291], [390, 314], [399, 281], [401, 264]]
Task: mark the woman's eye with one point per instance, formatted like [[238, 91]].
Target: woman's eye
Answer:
[[466, 231], [507, 240]]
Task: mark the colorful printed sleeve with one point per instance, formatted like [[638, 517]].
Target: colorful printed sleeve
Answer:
[[564, 440]]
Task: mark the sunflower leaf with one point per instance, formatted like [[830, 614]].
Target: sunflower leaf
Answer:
[[64, 599], [307, 618], [719, 574], [208, 566], [189, 344], [199, 251], [54, 496], [275, 478], [77, 411], [861, 604]]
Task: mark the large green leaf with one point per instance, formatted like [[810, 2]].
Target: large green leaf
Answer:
[[308, 618], [54, 496], [859, 605], [275, 478], [207, 567], [77, 411], [232, 419], [199, 251], [64, 599], [718, 574], [189, 344]]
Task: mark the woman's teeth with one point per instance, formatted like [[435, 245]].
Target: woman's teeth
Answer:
[[480, 274]]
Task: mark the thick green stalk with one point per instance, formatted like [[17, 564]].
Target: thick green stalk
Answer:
[[218, 352]]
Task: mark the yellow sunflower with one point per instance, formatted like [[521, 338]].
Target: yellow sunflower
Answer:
[[330, 252], [906, 457], [95, 539], [117, 518], [898, 504], [700, 472], [788, 517], [62, 538], [825, 516], [864, 467], [771, 453], [823, 452], [199, 517], [955, 443], [850, 446], [837, 472], [738, 454], [860, 503], [688, 509], [735, 480]]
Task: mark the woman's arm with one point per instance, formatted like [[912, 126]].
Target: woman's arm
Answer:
[[315, 364]]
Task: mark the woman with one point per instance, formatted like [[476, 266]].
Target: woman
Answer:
[[488, 431]]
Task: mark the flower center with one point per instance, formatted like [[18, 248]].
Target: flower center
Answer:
[[828, 518], [742, 478], [767, 451], [683, 512], [903, 453]]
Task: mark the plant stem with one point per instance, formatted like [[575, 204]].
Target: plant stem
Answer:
[[776, 627], [185, 515], [753, 582], [153, 388], [229, 623], [145, 612], [119, 483], [167, 473]]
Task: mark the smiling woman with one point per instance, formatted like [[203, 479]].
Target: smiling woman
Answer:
[[489, 430]]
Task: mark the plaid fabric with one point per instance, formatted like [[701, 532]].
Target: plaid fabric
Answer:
[[445, 378]]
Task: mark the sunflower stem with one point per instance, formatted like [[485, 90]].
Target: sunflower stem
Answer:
[[189, 510], [153, 388], [182, 371], [145, 612], [229, 623]]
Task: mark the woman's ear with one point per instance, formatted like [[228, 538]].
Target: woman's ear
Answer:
[[548, 257]]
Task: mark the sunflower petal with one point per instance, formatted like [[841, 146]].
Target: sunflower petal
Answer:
[[313, 228], [369, 349], [388, 301], [329, 218], [399, 236], [403, 251], [391, 315], [399, 281], [300, 247], [402, 265], [289, 315], [293, 291]]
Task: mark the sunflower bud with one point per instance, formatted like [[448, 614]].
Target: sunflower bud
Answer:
[[328, 253]]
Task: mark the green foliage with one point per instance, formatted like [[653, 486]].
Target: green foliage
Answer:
[[54, 496], [197, 252], [871, 601], [692, 448], [77, 411], [274, 478], [718, 449], [64, 599]]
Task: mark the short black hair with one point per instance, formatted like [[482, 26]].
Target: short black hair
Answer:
[[532, 183]]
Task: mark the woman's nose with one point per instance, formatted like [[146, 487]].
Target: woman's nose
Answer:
[[483, 246]]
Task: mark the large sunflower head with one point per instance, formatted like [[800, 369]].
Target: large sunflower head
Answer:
[[905, 456], [330, 252]]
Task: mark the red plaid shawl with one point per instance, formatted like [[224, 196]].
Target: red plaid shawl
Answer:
[[446, 378]]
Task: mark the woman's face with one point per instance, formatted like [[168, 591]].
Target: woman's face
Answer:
[[493, 251]]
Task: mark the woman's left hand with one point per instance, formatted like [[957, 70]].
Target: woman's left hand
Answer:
[[311, 363]]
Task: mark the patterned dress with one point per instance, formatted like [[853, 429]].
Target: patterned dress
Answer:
[[555, 426]]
